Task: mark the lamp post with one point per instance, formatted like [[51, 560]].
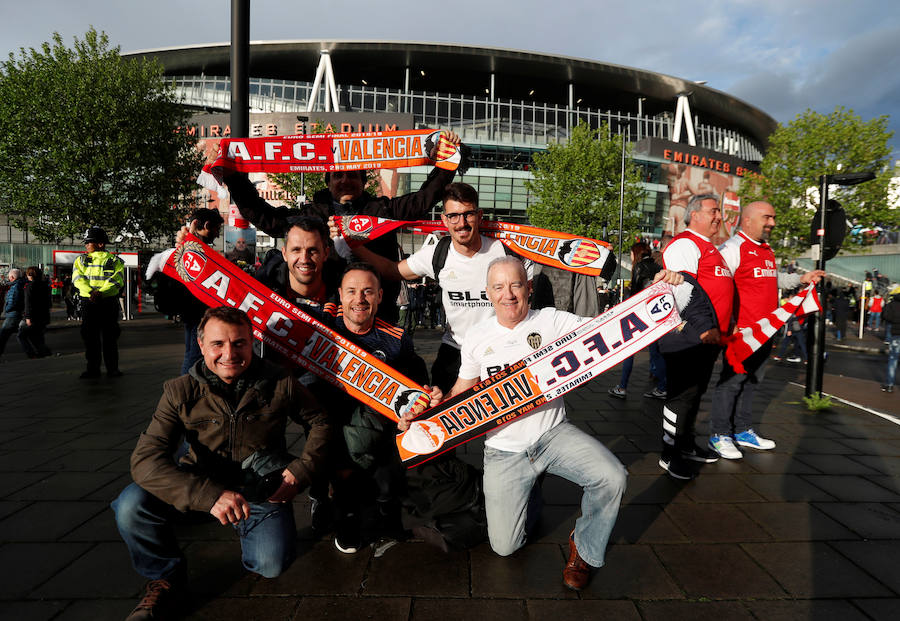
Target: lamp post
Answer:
[[621, 281], [816, 367]]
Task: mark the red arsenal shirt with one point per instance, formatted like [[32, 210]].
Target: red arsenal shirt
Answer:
[[755, 276], [693, 253]]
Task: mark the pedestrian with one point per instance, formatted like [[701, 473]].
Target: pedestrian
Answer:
[[841, 313], [876, 304], [99, 277], [36, 315], [891, 314], [13, 307], [643, 269]]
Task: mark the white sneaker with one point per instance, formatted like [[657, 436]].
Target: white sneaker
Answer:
[[751, 439], [724, 446]]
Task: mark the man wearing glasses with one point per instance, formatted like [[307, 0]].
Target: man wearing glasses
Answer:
[[461, 275]]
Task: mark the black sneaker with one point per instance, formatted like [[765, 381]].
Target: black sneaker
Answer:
[[90, 375], [677, 467], [347, 537], [114, 373], [702, 455], [158, 603]]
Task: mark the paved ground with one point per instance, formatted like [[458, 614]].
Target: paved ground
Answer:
[[810, 530]]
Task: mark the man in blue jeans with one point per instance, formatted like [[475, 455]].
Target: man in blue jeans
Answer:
[[518, 453], [892, 320], [232, 409]]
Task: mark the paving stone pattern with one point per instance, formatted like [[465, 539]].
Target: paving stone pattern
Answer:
[[810, 530]]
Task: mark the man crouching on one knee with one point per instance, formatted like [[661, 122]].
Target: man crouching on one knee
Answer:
[[518, 453], [231, 411]]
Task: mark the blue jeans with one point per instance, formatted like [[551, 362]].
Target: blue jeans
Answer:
[[566, 451], [874, 321], [893, 356], [657, 368], [268, 536]]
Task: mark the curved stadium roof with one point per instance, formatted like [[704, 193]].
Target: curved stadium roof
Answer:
[[466, 70]]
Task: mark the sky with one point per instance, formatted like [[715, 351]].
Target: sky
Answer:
[[783, 56]]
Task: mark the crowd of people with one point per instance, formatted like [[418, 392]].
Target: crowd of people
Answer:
[[216, 442]]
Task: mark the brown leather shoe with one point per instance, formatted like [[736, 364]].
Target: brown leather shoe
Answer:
[[577, 571], [158, 603]]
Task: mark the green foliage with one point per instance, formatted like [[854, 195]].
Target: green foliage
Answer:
[[89, 138], [814, 144], [577, 186], [817, 402]]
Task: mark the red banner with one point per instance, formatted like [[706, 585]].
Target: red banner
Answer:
[[332, 152], [561, 250]]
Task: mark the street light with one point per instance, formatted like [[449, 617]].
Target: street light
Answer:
[[816, 367]]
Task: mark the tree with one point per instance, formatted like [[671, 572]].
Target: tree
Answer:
[[577, 186], [90, 138], [814, 144]]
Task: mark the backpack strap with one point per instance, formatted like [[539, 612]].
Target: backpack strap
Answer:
[[440, 256]]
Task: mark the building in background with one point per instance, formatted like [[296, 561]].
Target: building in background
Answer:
[[506, 105]]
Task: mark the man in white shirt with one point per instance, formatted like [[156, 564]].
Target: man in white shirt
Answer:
[[461, 275], [516, 454]]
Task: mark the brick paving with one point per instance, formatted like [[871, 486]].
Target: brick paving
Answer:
[[810, 530]]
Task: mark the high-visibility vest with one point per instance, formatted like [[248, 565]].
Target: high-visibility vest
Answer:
[[101, 271]]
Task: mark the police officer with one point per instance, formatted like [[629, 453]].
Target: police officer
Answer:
[[99, 276]]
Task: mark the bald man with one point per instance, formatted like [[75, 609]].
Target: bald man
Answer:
[[757, 281]]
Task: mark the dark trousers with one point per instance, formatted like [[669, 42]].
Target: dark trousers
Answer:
[[100, 333], [732, 400], [687, 376], [192, 351], [31, 338], [445, 369]]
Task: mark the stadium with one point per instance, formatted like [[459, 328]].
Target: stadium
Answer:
[[505, 104]]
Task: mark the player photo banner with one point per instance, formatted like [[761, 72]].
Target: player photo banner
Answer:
[[582, 255], [303, 339], [330, 152], [550, 372], [742, 344]]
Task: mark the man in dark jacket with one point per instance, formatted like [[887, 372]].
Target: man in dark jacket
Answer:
[[891, 315], [36, 314], [346, 195], [232, 408], [13, 307]]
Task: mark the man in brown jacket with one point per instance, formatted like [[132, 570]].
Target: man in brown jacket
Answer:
[[232, 410]]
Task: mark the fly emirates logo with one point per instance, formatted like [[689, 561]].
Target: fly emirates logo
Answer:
[[768, 271], [722, 271]]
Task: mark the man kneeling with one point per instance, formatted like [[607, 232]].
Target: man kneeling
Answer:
[[518, 453], [230, 411]]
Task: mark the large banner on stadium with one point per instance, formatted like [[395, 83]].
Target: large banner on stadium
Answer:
[[690, 171]]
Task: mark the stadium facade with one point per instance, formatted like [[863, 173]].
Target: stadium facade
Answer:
[[506, 105]]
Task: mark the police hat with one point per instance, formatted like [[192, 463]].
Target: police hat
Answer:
[[96, 235]]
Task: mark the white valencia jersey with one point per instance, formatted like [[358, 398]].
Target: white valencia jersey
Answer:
[[491, 347], [463, 283]]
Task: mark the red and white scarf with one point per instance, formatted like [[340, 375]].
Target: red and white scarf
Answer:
[[742, 344]]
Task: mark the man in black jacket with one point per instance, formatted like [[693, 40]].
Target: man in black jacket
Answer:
[[346, 195]]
